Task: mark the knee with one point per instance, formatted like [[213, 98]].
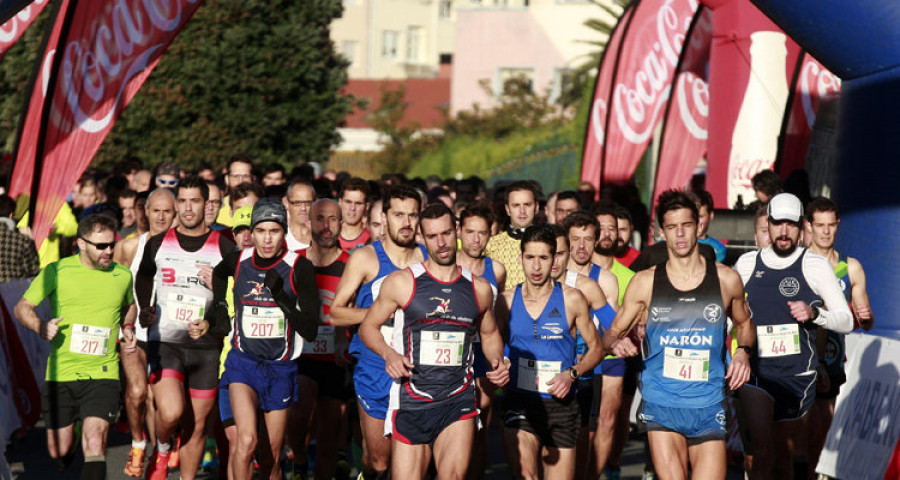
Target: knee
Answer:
[[92, 444], [136, 393], [169, 416], [246, 442]]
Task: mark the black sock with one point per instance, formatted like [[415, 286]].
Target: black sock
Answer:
[[95, 470]]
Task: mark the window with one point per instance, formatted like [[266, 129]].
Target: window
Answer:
[[562, 78], [414, 44], [389, 41], [510, 79], [445, 9], [348, 49]]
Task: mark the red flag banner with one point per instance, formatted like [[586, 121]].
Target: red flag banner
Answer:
[[592, 158], [814, 84], [685, 128], [12, 30], [107, 50], [650, 51]]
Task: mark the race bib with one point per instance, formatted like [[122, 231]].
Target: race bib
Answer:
[[534, 374], [263, 322], [184, 308], [778, 340], [686, 364], [89, 340], [441, 349], [324, 343]]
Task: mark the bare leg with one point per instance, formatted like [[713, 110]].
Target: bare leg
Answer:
[[243, 405], [670, 454], [610, 399], [522, 453], [193, 436], [450, 460], [376, 448], [759, 410]]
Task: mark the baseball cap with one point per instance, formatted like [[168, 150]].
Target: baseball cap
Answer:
[[785, 206], [241, 218], [268, 210]]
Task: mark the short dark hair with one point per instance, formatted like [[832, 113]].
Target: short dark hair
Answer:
[[581, 219], [520, 185], [274, 167], [436, 210], [193, 182], [7, 206], [768, 182], [300, 181], [622, 213], [559, 231], [245, 189], [89, 223], [603, 207], [704, 199], [539, 234], [128, 193], [821, 204], [569, 195], [400, 192], [481, 210], [354, 184], [239, 158], [674, 200]]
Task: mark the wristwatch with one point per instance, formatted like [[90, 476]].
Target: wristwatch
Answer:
[[746, 349], [815, 314], [573, 374]]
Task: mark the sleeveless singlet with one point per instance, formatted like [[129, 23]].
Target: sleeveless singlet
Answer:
[[327, 279], [684, 347], [435, 333], [539, 348], [260, 328], [836, 350]]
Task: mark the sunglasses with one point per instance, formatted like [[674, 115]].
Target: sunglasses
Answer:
[[100, 246], [167, 183]]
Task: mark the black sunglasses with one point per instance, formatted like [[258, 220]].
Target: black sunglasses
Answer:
[[100, 246]]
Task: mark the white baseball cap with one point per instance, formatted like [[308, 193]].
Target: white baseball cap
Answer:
[[785, 206]]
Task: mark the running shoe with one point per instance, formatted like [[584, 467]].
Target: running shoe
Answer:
[[173, 454], [158, 469], [134, 467]]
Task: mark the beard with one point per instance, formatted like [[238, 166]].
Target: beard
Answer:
[[783, 252], [401, 242], [606, 252]]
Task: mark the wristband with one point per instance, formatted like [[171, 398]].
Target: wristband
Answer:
[[745, 348], [816, 313], [128, 325]]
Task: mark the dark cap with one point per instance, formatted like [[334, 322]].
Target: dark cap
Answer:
[[269, 210]]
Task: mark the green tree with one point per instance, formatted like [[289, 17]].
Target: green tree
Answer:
[[255, 76]]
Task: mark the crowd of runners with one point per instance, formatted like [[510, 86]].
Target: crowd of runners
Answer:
[[392, 322]]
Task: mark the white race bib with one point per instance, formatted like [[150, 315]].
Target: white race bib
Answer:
[[324, 343], [263, 322], [534, 374], [184, 309], [441, 349], [686, 364], [89, 340], [778, 340]]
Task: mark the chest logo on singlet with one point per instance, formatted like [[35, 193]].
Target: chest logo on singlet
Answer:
[[255, 290], [554, 313], [660, 314], [553, 328], [712, 313], [789, 287], [442, 308], [842, 283], [759, 273]]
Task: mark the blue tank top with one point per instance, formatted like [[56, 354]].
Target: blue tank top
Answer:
[[489, 271], [785, 346], [435, 334], [539, 348], [684, 347], [836, 349], [260, 328]]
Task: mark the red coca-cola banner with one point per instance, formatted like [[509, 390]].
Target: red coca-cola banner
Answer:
[[109, 50], [12, 30], [814, 83], [684, 135], [592, 158]]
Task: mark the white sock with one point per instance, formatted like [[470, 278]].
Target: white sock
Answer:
[[142, 444], [163, 448]]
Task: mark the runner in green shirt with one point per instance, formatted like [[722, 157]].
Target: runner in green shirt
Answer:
[[88, 294]]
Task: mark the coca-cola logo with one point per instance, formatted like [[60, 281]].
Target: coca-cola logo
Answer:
[[692, 99], [12, 29], [97, 66], [640, 95], [816, 83]]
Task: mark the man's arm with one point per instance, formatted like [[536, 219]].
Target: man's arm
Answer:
[[305, 314], [388, 301], [491, 339], [219, 320], [41, 287], [143, 280], [577, 311], [859, 297], [130, 344], [836, 315], [499, 275], [361, 262], [610, 286], [736, 308], [637, 296]]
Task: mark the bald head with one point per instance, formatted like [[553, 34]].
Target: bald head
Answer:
[[325, 223]]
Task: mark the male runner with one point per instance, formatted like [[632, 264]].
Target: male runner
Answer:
[[298, 200], [541, 316], [88, 295], [686, 300], [325, 379], [761, 228], [354, 201], [704, 201], [786, 286], [625, 253], [160, 213], [433, 406], [213, 205], [367, 265], [375, 221], [239, 171], [274, 298], [567, 203], [582, 232], [173, 291], [824, 220], [474, 231], [240, 227], [521, 206]]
